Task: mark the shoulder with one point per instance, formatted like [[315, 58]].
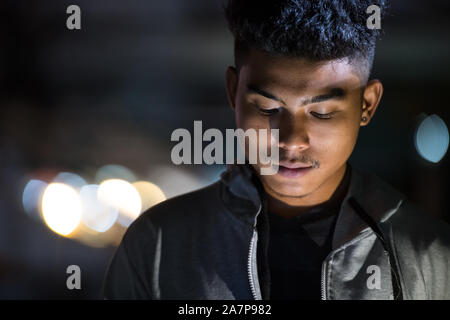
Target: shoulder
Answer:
[[178, 212], [424, 231], [422, 246]]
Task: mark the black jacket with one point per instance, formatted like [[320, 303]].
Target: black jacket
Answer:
[[212, 244]]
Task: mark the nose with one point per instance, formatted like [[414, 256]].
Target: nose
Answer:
[[293, 135]]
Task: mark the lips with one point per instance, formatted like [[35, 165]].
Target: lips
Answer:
[[293, 170], [295, 165]]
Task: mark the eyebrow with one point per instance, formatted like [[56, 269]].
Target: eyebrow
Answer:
[[255, 89], [334, 93]]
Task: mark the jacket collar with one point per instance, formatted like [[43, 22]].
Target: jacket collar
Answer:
[[379, 200]]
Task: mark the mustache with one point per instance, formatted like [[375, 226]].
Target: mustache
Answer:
[[301, 158]]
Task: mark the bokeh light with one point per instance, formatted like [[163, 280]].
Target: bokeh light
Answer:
[[150, 194], [175, 181], [96, 215], [432, 138], [32, 197], [70, 179], [123, 196], [61, 208], [114, 171]]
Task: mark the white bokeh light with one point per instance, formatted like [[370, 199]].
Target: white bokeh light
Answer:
[[123, 196], [61, 208], [97, 215]]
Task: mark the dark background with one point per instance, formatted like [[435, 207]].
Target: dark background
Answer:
[[114, 91]]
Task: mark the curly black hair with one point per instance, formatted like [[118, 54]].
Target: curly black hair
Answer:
[[318, 30]]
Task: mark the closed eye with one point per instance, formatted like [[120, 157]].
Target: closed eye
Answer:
[[267, 112], [323, 116]]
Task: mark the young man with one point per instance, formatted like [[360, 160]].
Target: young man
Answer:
[[317, 229]]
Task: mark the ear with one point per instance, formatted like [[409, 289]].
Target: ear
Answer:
[[231, 81], [371, 99]]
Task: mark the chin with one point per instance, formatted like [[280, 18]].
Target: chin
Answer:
[[287, 189]]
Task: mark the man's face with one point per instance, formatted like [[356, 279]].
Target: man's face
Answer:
[[317, 108]]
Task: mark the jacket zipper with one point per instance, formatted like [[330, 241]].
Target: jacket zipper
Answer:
[[251, 256], [322, 282]]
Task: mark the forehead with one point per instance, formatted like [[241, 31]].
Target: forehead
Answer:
[[297, 75]]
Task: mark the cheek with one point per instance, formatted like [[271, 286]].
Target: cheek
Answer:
[[334, 144], [247, 117]]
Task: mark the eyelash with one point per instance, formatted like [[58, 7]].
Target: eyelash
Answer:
[[321, 116], [267, 112]]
